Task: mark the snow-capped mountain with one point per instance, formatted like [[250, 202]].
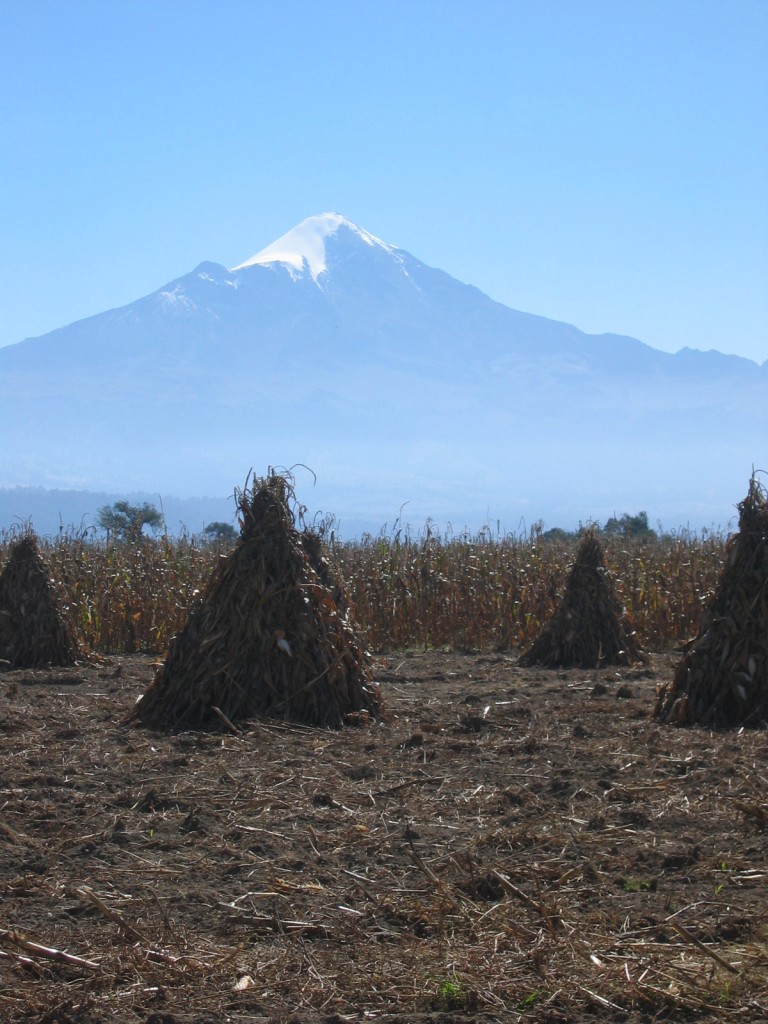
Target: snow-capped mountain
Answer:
[[391, 380], [304, 247]]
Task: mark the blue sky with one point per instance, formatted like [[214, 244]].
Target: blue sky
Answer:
[[602, 163]]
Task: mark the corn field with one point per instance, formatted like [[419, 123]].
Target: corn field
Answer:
[[425, 591]]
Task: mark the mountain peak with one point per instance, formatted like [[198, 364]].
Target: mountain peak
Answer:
[[305, 245]]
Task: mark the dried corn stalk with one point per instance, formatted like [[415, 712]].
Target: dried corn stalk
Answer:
[[34, 627], [588, 628], [722, 678], [271, 634]]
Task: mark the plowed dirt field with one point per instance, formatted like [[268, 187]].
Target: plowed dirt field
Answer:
[[506, 845]]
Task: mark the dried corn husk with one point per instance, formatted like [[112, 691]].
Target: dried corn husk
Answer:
[[588, 628], [35, 628], [722, 678], [271, 634]]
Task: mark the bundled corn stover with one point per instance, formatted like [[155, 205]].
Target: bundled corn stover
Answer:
[[722, 678], [271, 634], [34, 626], [588, 627]]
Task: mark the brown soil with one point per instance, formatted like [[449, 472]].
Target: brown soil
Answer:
[[507, 845]]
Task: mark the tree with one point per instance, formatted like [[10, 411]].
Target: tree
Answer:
[[127, 522], [220, 533], [557, 534], [628, 526]]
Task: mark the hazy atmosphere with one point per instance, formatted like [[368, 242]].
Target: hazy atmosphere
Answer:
[[599, 163], [384, 511], [494, 200]]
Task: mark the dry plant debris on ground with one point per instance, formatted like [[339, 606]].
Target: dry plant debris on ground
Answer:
[[509, 845]]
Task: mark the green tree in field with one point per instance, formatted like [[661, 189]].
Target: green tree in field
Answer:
[[556, 533], [629, 527], [126, 522], [220, 533]]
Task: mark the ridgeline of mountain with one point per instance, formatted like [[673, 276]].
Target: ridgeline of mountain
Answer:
[[392, 381]]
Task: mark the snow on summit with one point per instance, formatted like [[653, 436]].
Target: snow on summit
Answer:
[[305, 245]]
